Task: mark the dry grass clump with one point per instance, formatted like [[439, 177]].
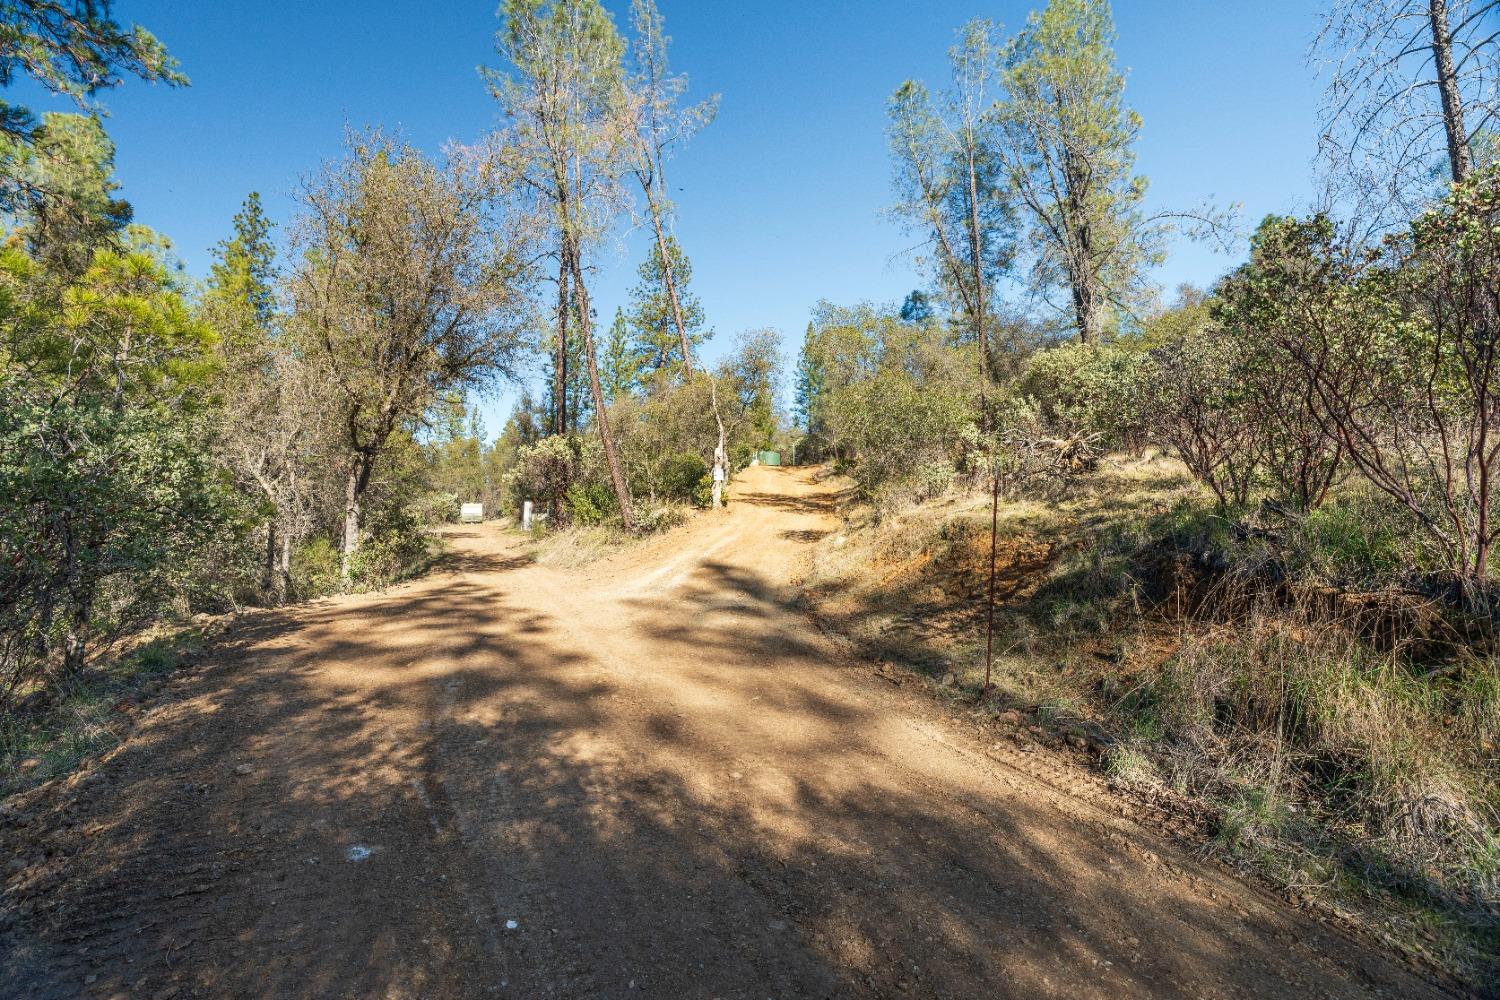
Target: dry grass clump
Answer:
[[573, 547], [1337, 767], [584, 544]]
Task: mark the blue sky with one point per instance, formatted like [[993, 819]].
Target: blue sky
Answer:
[[780, 201]]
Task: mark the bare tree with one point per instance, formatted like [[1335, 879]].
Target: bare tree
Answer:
[[414, 281], [659, 125], [1411, 85], [274, 433], [568, 137]]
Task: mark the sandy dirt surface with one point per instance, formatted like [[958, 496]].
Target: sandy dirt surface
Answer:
[[651, 777]]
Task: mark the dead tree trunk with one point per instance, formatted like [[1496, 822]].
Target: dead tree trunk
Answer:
[[284, 569], [560, 350], [1460, 160], [351, 527], [611, 457], [269, 576], [720, 472]]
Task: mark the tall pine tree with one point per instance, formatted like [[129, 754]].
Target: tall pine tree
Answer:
[[658, 345]]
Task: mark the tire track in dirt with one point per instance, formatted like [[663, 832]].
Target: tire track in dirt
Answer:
[[652, 776]]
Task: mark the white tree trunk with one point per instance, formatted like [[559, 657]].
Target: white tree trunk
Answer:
[[351, 526]]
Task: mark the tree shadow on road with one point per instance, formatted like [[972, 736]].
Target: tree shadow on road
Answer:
[[724, 815]]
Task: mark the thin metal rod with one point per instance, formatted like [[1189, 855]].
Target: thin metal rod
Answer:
[[989, 626]]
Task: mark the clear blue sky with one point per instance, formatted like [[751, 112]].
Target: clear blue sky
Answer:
[[780, 200]]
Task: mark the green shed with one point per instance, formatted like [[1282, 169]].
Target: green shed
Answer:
[[769, 457]]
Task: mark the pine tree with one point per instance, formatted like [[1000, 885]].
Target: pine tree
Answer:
[[810, 383], [240, 299], [621, 372], [657, 346], [72, 210], [1071, 159], [246, 263]]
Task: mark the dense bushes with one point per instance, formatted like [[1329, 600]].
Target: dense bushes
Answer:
[[106, 516], [885, 397], [1090, 389], [681, 475], [1316, 361]]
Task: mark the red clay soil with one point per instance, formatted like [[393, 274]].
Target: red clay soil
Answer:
[[652, 777]]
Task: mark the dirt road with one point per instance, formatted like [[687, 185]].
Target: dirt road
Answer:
[[649, 778]]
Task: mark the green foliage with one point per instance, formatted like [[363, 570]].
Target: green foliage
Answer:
[[105, 510], [657, 348], [703, 492], [810, 385], [241, 291], [562, 473], [69, 206], [1357, 540], [1080, 388], [437, 244], [398, 548], [620, 367], [316, 569], [73, 49], [952, 183], [1381, 358], [892, 396], [1197, 397], [590, 503], [113, 506], [455, 454], [1070, 152], [681, 475], [750, 373]]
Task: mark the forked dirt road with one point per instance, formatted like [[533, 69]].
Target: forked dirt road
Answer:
[[650, 778]]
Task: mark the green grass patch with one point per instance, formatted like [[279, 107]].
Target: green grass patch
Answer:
[[49, 735]]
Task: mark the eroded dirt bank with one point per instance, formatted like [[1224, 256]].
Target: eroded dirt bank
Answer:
[[651, 778]]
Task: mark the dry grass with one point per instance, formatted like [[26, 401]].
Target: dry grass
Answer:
[[574, 547], [571, 548], [1339, 762]]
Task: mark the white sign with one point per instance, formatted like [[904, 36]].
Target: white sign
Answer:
[[471, 513]]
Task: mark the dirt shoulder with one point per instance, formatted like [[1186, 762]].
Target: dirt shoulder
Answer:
[[648, 777]]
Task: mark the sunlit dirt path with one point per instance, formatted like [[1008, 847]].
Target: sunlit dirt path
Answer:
[[649, 778]]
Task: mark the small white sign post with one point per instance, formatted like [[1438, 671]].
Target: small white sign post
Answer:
[[526, 516], [718, 490]]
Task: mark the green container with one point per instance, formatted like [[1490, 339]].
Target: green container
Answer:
[[770, 458]]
